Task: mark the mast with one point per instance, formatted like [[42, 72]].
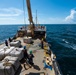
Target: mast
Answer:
[[36, 17]]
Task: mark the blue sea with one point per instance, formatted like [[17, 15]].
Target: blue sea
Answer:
[[62, 38]]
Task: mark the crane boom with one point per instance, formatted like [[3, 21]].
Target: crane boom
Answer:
[[32, 26], [29, 11]]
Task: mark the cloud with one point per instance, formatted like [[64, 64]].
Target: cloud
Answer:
[[71, 17], [7, 19], [9, 12]]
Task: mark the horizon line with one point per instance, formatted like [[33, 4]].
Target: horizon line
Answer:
[[37, 24]]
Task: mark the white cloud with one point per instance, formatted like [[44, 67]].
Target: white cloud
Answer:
[[16, 16], [7, 19], [11, 21], [72, 17], [9, 12]]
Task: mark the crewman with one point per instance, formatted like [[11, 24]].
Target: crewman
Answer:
[[6, 42], [30, 58]]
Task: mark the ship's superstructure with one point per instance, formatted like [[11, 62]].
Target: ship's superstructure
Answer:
[[32, 29]]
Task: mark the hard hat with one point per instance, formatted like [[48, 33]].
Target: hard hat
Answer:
[[31, 52]]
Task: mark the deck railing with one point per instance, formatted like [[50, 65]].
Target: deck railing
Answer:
[[57, 68]]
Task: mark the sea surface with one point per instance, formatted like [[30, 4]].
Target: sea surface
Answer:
[[63, 43]]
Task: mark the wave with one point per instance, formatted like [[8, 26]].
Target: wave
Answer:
[[74, 46], [68, 45], [65, 41]]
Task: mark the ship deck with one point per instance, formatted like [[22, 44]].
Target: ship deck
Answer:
[[39, 55]]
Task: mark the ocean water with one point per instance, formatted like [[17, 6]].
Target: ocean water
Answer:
[[7, 31], [63, 43]]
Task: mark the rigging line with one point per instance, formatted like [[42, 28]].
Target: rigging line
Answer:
[[24, 12], [36, 17]]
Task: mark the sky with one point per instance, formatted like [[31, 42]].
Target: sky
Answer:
[[48, 11]]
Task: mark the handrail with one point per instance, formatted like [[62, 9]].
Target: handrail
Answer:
[[57, 68]]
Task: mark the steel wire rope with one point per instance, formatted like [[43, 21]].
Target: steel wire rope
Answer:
[[24, 11]]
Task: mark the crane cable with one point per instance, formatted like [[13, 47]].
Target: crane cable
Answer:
[[24, 11]]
